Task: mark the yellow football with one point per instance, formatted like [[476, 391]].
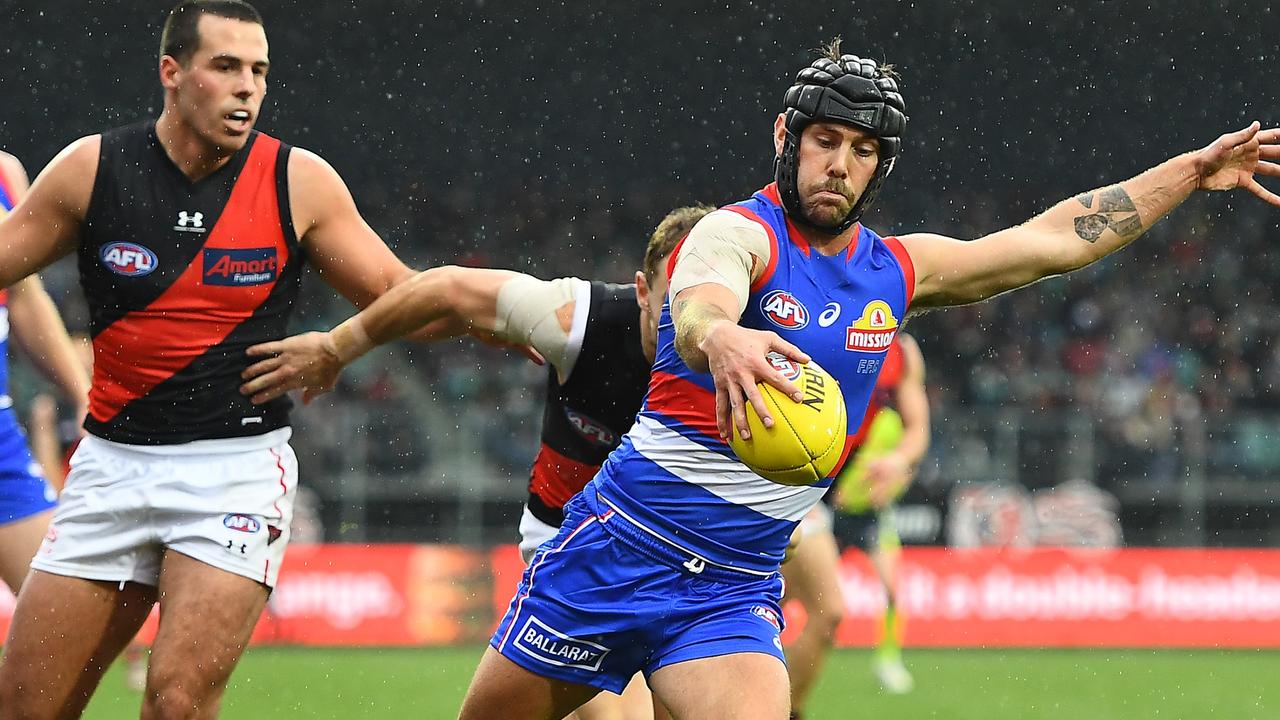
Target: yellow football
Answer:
[[807, 437]]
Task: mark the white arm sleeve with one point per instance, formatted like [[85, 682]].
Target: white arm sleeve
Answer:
[[723, 248], [528, 314]]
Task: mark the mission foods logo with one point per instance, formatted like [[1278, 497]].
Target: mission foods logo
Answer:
[[250, 266], [782, 309], [128, 259], [874, 331]]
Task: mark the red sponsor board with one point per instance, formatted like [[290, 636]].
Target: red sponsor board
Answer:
[[437, 595], [1071, 598]]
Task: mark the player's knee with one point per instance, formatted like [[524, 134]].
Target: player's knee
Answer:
[[170, 697], [827, 615]]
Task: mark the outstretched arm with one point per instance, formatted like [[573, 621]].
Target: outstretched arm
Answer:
[[1083, 229], [444, 302]]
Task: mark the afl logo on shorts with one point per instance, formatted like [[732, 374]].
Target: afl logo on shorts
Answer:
[[128, 259], [768, 615], [782, 309], [242, 523]]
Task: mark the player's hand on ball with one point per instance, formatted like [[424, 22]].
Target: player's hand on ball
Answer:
[[1232, 160], [305, 361], [736, 358]]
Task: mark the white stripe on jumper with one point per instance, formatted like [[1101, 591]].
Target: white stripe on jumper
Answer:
[[719, 475]]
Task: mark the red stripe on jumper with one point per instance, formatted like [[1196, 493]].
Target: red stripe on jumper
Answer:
[[146, 347], [684, 401]]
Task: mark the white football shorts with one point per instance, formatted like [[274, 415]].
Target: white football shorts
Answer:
[[533, 532], [227, 503]]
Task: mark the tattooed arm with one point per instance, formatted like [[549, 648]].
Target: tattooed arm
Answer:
[[1085, 228]]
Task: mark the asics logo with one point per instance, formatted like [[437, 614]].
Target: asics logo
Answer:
[[829, 314]]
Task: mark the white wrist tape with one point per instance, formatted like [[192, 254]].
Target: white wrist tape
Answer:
[[528, 314]]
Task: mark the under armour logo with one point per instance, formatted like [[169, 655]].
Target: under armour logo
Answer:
[[196, 219], [231, 545], [695, 565]]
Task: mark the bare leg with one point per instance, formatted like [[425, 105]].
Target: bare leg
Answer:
[[812, 580], [19, 541], [500, 685], [65, 633], [888, 666], [206, 618], [635, 703], [743, 686]]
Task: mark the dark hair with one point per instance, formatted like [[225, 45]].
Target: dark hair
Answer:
[[181, 35], [670, 231]]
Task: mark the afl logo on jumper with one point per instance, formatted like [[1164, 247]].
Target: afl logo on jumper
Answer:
[[128, 259], [251, 266], [593, 430], [782, 309], [874, 331]]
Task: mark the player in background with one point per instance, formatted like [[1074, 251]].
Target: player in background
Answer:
[[886, 450], [27, 497], [599, 339], [190, 231]]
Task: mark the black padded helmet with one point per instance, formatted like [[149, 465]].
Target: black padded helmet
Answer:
[[854, 91]]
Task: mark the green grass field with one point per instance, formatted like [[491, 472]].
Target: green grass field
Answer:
[[952, 684]]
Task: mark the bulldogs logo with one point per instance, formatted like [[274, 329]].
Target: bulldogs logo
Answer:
[[783, 309], [128, 259]]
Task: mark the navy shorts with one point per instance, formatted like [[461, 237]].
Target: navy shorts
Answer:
[[592, 609]]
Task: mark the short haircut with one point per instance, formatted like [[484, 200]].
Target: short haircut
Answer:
[[181, 35], [673, 228]]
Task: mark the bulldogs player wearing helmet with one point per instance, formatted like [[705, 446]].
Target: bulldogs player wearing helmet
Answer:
[[668, 560]]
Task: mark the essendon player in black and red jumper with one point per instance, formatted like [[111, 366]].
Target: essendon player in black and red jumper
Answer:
[[190, 233], [587, 413], [187, 275]]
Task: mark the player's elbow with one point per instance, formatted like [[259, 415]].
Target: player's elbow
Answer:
[[458, 293]]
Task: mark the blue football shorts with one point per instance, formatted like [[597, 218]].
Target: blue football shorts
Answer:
[[593, 609], [23, 489]]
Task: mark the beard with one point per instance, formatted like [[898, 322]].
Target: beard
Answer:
[[824, 211]]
